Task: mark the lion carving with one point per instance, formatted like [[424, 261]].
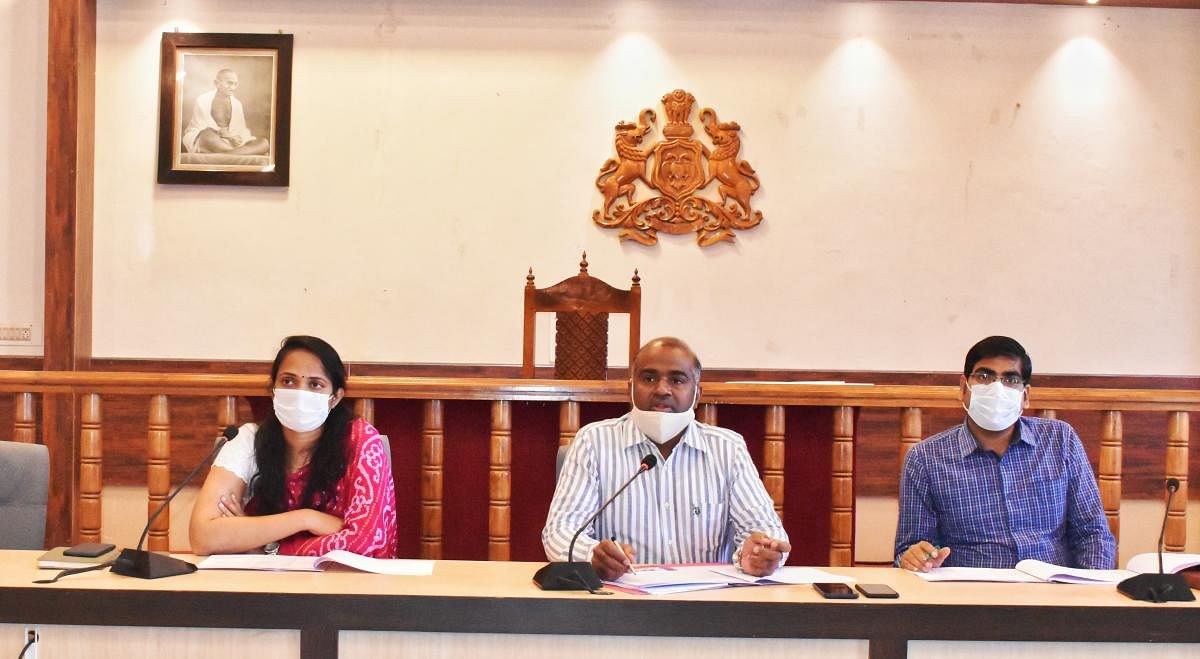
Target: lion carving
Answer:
[[618, 175], [737, 178]]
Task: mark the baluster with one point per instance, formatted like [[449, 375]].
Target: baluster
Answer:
[[226, 413], [773, 455], [910, 431], [1048, 414], [24, 423], [432, 438], [365, 407], [1177, 467], [158, 471], [1109, 477], [708, 413], [568, 421], [91, 482], [500, 482], [841, 528]]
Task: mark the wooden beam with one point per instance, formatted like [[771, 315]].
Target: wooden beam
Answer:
[[70, 147]]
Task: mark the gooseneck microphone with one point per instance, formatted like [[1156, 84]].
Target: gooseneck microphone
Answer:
[[580, 575], [150, 565], [1159, 587]]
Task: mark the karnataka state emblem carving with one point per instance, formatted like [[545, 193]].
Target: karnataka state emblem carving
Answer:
[[675, 167]]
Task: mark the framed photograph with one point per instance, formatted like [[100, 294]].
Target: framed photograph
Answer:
[[225, 108]]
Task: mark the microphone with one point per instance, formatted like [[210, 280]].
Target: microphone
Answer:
[[580, 575], [1159, 587], [151, 565]]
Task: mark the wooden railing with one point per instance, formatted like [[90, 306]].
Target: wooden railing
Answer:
[[88, 387]]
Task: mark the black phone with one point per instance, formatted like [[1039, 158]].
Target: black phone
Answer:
[[835, 591], [876, 590], [89, 550]]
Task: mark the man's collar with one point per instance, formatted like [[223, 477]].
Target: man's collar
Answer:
[[967, 443]]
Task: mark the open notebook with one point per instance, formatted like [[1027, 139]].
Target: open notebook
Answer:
[[397, 566], [1027, 571], [1172, 562]]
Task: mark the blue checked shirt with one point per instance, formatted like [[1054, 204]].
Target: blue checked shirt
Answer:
[[1039, 500], [696, 506]]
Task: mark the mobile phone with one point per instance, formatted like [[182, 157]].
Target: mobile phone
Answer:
[[89, 550], [876, 590], [835, 591]]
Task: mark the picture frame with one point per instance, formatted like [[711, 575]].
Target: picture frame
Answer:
[[224, 109]]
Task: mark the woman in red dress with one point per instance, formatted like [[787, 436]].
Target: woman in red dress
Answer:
[[310, 478]]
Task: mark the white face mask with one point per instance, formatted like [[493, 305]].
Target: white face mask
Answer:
[[661, 427], [301, 410], [994, 406]]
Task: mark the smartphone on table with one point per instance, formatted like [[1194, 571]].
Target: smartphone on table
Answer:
[[89, 549], [835, 591], [876, 590]]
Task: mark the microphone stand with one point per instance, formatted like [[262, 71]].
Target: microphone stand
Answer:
[[580, 575], [1159, 587], [150, 565]]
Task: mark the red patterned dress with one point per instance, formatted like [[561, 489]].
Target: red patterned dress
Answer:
[[365, 499]]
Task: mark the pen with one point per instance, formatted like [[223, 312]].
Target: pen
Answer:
[[631, 570], [936, 549]]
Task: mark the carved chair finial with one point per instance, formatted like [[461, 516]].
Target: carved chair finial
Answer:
[[583, 265], [529, 277], [636, 279]]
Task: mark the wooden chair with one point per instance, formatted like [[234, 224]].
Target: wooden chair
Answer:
[[581, 305]]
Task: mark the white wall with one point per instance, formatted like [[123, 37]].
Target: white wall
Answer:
[[23, 34], [931, 173]]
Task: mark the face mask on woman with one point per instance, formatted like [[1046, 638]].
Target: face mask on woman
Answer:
[[301, 410], [994, 406]]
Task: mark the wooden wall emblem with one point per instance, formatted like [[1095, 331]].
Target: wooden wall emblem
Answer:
[[675, 167]]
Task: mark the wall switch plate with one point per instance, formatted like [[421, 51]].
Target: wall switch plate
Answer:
[[16, 333]]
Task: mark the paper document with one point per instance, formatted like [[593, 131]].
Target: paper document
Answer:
[[393, 566], [1172, 562], [1027, 571], [790, 575], [668, 579]]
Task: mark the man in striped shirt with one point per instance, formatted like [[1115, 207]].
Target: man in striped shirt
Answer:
[[1001, 487], [703, 503]]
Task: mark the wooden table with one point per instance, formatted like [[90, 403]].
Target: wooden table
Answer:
[[492, 608]]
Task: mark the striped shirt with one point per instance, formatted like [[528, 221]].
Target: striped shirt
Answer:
[[1039, 500], [696, 506]]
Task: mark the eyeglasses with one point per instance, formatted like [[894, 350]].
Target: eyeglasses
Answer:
[[987, 377]]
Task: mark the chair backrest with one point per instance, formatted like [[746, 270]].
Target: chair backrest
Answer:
[[581, 305], [24, 488]]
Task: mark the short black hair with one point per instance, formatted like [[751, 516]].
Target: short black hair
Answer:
[[998, 346], [668, 342]]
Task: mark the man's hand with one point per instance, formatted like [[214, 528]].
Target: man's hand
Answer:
[[923, 557], [761, 554], [611, 561]]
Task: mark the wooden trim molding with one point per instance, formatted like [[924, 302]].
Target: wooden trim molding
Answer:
[[70, 153]]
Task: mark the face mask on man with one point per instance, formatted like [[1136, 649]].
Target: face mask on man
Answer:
[[301, 410], [661, 427], [994, 406]]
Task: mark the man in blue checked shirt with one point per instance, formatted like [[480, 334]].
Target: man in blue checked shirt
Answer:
[[703, 503], [1001, 487]]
